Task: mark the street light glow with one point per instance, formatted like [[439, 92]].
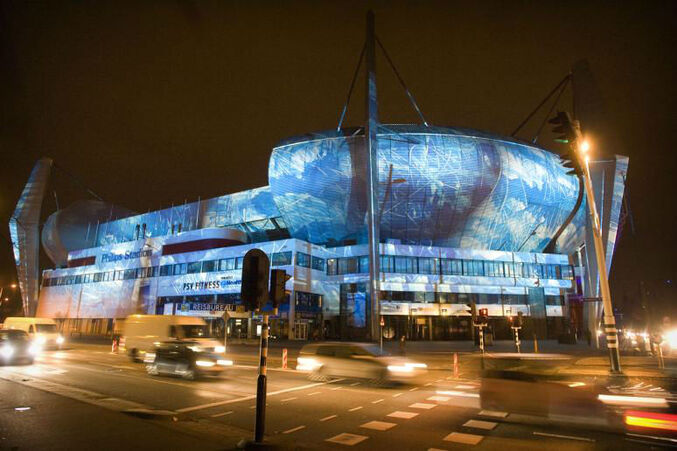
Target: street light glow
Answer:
[[585, 146]]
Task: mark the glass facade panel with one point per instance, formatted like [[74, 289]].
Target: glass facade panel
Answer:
[[302, 260]]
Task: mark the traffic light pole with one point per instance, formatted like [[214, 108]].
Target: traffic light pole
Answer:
[[261, 384], [516, 330], [609, 320]]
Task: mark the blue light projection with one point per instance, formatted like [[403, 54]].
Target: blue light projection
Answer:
[[449, 187]]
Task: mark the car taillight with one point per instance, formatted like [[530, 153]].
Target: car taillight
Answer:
[[652, 420]]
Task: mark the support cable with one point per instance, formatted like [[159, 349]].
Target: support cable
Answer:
[[79, 183], [547, 116], [401, 80], [519, 127], [350, 90]]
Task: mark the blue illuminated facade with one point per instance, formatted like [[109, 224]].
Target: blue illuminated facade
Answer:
[[465, 216]]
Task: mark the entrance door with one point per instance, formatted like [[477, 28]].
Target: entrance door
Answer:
[[300, 330]]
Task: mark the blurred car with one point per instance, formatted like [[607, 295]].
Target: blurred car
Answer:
[[42, 331], [17, 347], [356, 360], [185, 359]]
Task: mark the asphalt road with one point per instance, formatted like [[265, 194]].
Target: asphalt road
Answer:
[[77, 397]]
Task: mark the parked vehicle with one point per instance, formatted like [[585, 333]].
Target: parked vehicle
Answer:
[[184, 359], [42, 331], [356, 360], [16, 347], [141, 333]]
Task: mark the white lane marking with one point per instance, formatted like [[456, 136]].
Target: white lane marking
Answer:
[[428, 384], [354, 409], [378, 425], [479, 424], [413, 389], [493, 413], [422, 405], [246, 398], [402, 414], [336, 388], [458, 393], [289, 399], [354, 384], [377, 401], [464, 387], [436, 449], [314, 393], [297, 428], [439, 398], [216, 415], [124, 367], [253, 407], [397, 394], [347, 439], [466, 439], [330, 417], [569, 437], [439, 380]]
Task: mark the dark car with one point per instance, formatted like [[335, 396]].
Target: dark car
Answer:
[[16, 347], [184, 359]]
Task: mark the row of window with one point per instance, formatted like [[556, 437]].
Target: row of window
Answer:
[[308, 261], [449, 266], [177, 269], [463, 298]]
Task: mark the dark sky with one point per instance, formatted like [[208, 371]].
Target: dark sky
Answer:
[[152, 103]]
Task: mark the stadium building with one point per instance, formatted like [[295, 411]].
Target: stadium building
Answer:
[[463, 216]]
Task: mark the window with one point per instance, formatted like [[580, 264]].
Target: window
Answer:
[[165, 270], [513, 269], [554, 300], [180, 268], [302, 260], [238, 262], [281, 258], [451, 267], [489, 299], [128, 274], [387, 263], [567, 272], [494, 269], [194, 267], [363, 264], [405, 265], [78, 279], [97, 277], [332, 267], [427, 265], [318, 263], [226, 264], [209, 265], [87, 278], [119, 275], [473, 268], [140, 273], [551, 272], [347, 265]]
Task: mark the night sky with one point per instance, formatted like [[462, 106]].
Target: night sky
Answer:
[[153, 103]]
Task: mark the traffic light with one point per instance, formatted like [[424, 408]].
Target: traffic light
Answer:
[[519, 320], [278, 280], [483, 316], [472, 310], [568, 132], [254, 288]]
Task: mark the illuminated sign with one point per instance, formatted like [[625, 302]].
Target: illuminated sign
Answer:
[[105, 258], [209, 284]]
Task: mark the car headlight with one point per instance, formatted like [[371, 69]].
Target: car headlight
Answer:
[[224, 362], [416, 365], [671, 338], [307, 364], [400, 369], [34, 349], [7, 351], [59, 340], [219, 349], [204, 363], [41, 339], [195, 348], [149, 357]]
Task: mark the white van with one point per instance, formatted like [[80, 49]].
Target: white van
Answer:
[[42, 331], [141, 333]]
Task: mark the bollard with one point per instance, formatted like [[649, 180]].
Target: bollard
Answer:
[[114, 347], [535, 344], [284, 358], [455, 365]]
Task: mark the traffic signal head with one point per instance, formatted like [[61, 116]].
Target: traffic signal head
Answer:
[[254, 288], [278, 280], [563, 127], [472, 310]]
